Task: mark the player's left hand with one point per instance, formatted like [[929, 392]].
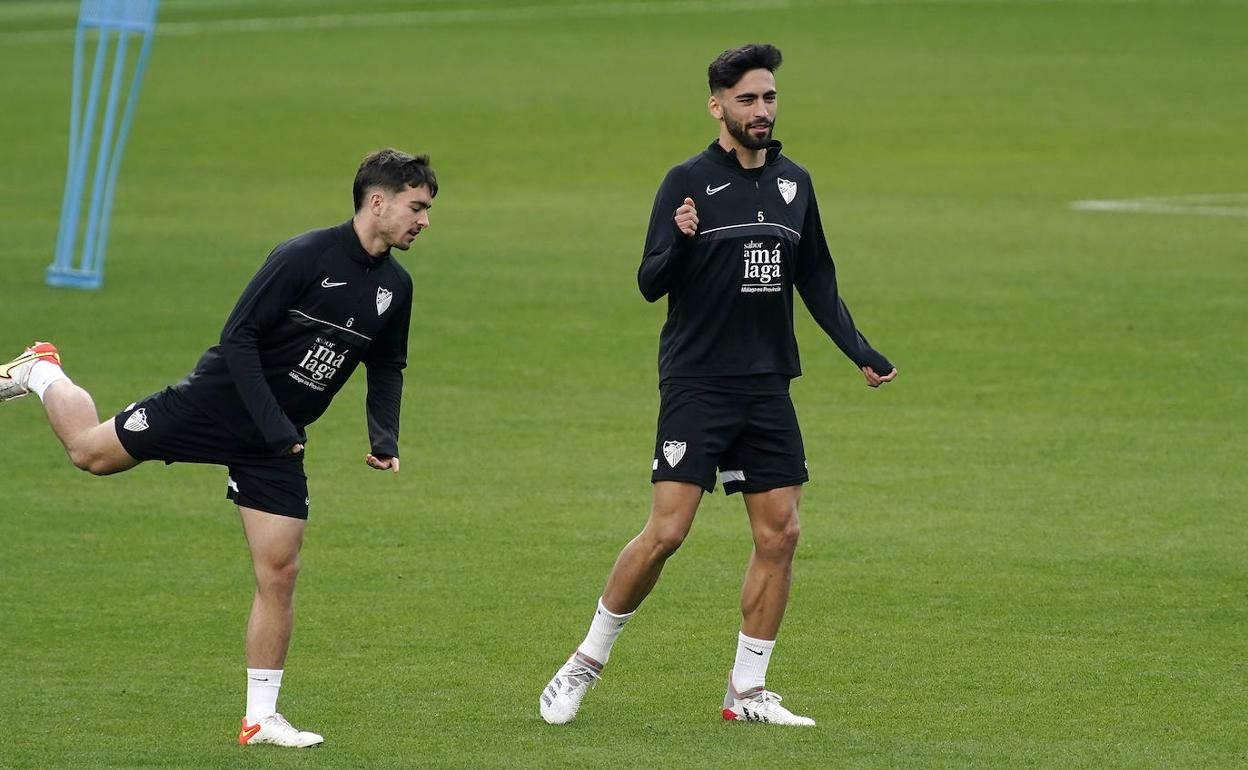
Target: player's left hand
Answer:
[[382, 463], [875, 380]]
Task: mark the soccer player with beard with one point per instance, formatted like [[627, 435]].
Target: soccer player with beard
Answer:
[[733, 232], [322, 303]]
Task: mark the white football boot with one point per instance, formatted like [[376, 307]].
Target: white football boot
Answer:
[[276, 730], [759, 705], [562, 696], [16, 373]]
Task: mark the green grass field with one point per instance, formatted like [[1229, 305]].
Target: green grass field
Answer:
[[1029, 551]]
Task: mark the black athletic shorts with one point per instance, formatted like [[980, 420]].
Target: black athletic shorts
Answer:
[[752, 439], [166, 426]]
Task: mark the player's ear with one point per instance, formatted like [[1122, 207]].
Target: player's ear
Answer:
[[713, 106], [376, 201]]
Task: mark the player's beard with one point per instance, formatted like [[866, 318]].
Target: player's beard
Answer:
[[741, 132], [395, 234]]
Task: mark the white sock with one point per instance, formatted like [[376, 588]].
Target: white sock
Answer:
[[42, 375], [753, 655], [262, 687], [605, 627]]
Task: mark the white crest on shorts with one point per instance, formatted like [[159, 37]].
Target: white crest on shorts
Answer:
[[673, 451], [137, 421], [788, 190], [383, 299]]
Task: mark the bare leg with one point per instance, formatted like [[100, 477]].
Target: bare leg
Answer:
[[274, 542], [91, 445], [638, 566], [765, 593], [636, 570]]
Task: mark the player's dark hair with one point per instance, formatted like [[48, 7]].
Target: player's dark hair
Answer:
[[393, 171], [731, 65]]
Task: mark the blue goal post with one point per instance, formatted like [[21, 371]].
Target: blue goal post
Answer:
[[109, 24]]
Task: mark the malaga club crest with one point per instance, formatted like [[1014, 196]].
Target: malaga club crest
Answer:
[[383, 299], [137, 421], [788, 190], [673, 451]]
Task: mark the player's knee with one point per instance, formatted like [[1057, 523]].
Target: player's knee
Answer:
[[778, 542], [278, 577], [85, 459], [80, 458], [665, 542], [287, 573]]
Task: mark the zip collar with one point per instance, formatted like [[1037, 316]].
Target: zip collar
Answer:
[[717, 153], [355, 250]]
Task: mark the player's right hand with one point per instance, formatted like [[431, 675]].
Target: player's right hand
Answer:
[[383, 463], [687, 218], [296, 449], [876, 380]]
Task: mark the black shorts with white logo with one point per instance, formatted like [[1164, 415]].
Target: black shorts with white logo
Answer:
[[753, 440], [165, 426]]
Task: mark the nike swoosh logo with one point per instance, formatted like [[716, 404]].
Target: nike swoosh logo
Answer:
[[756, 652], [712, 191], [248, 732], [328, 285], [258, 679]]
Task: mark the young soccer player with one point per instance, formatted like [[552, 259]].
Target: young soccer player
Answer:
[[323, 303], [734, 231]]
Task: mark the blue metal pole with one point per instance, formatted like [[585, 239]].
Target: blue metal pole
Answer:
[[71, 267], [89, 244], [64, 235], [81, 157], [122, 133]]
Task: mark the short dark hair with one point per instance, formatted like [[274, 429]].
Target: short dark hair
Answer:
[[393, 170], [731, 65]]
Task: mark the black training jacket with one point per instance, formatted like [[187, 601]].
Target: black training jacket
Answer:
[[318, 307], [730, 287]]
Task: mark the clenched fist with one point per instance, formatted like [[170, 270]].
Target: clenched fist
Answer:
[[687, 218]]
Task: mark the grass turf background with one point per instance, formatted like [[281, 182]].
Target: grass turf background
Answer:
[[1028, 551]]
